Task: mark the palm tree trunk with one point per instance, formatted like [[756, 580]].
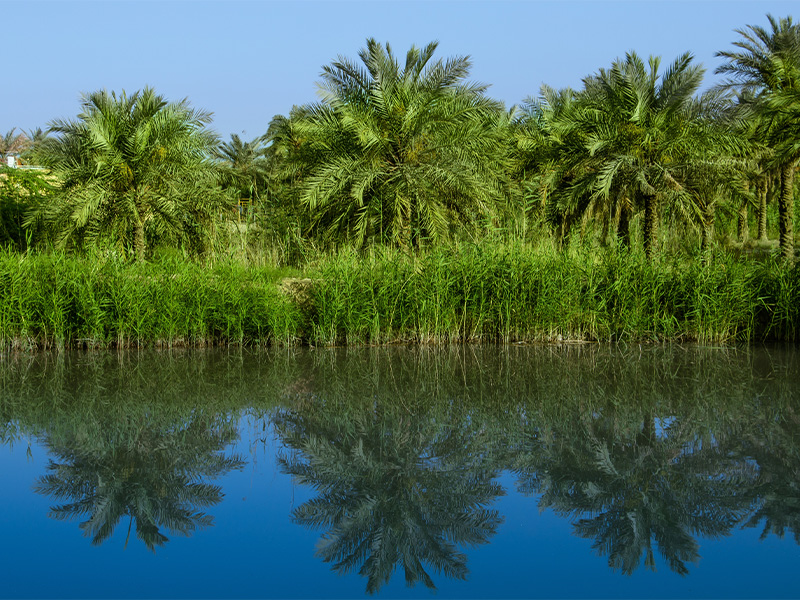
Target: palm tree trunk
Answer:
[[650, 224], [742, 224], [624, 227], [762, 209], [138, 241], [786, 212]]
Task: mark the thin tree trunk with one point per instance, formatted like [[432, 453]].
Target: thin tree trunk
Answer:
[[762, 188], [708, 232], [786, 212], [743, 228], [138, 241], [650, 225], [624, 227]]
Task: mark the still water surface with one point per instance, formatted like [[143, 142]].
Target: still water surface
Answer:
[[475, 472]]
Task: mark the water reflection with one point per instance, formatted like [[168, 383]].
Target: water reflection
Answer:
[[628, 487], [644, 457], [128, 440], [397, 488], [645, 453], [152, 471]]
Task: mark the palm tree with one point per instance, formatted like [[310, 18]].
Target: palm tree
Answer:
[[36, 138], [134, 169], [399, 153], [766, 71], [547, 140], [12, 143], [637, 135], [243, 166], [717, 172]]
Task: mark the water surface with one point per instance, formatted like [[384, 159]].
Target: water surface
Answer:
[[578, 471]]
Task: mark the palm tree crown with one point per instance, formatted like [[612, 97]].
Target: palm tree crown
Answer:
[[131, 166], [399, 152]]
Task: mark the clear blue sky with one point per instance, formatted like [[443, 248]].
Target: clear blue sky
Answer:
[[247, 61]]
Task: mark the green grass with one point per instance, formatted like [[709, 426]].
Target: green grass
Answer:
[[513, 293], [57, 300], [491, 292]]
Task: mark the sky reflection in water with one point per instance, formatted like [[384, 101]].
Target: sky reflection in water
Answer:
[[514, 472]]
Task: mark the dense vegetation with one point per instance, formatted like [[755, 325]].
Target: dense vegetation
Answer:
[[632, 208]]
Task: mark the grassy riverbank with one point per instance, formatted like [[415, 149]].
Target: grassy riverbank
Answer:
[[487, 293]]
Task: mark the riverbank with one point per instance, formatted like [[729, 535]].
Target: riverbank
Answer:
[[469, 293]]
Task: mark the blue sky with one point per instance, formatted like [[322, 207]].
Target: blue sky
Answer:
[[247, 61]]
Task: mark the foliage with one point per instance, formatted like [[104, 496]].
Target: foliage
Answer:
[[134, 172], [397, 154], [243, 167], [58, 300], [20, 191], [765, 70], [618, 144], [12, 143]]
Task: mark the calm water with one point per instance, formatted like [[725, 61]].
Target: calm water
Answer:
[[480, 472]]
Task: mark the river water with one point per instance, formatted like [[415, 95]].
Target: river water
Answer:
[[470, 472]]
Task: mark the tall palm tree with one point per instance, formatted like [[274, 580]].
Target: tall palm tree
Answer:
[[548, 139], [400, 152], [637, 136], [765, 69], [133, 168]]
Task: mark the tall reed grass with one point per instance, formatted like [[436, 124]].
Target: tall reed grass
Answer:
[[492, 292], [57, 300], [513, 292]]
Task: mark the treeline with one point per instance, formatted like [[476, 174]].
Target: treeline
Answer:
[[407, 152], [633, 208]]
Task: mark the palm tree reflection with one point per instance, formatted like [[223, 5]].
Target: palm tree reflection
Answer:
[[773, 445], [152, 472], [629, 485], [396, 488]]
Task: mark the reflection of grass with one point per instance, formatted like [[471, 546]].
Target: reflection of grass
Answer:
[[547, 413]]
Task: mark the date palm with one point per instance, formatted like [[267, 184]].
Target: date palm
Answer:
[[637, 134], [12, 143], [765, 69], [400, 153], [243, 166], [134, 169], [36, 138]]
